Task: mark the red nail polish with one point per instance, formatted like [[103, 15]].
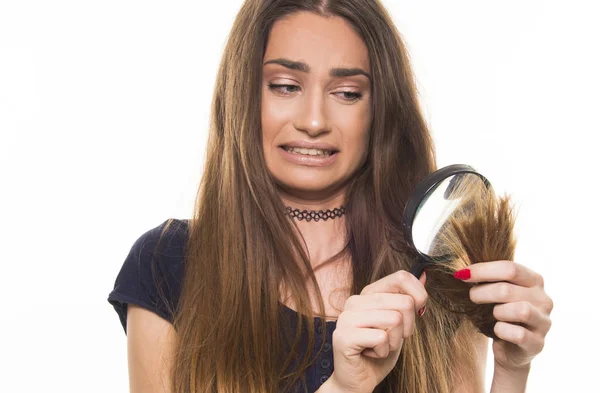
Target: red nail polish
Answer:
[[422, 311], [463, 274]]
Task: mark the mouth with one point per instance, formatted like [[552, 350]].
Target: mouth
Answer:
[[308, 152]]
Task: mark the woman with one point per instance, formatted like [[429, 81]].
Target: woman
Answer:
[[314, 109]]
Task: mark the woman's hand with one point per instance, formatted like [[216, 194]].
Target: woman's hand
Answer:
[[523, 309], [371, 329]]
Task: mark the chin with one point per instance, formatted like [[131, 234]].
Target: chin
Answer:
[[305, 179], [305, 186], [312, 184]]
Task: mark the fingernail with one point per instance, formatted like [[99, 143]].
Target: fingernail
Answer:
[[463, 274], [422, 311]]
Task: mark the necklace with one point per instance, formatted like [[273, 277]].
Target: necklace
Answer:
[[316, 215]]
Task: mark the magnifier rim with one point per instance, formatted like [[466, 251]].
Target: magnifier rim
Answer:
[[422, 189]]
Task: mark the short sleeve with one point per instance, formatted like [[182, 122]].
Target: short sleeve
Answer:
[[152, 273]]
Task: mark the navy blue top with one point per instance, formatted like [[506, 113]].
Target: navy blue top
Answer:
[[138, 282]]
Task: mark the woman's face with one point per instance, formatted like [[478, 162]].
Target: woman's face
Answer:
[[316, 90]]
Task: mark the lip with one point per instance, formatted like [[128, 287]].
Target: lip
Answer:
[[311, 145], [301, 159]]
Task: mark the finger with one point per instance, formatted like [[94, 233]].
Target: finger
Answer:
[[373, 354], [529, 342], [501, 271], [384, 349], [379, 301], [404, 304], [391, 321], [400, 282], [504, 292], [524, 312], [423, 277], [351, 342]]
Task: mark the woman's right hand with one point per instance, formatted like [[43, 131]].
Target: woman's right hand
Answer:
[[371, 329]]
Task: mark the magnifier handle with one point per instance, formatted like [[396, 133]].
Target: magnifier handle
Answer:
[[417, 269]]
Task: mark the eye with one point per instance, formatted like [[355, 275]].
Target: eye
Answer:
[[348, 96], [279, 88], [351, 95]]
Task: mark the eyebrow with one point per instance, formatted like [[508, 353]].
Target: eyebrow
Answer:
[[337, 72]]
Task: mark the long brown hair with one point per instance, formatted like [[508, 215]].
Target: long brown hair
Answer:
[[480, 228], [241, 246]]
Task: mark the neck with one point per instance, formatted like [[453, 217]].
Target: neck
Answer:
[[324, 238], [300, 204]]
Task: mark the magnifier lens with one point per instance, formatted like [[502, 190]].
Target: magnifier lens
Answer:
[[446, 199]]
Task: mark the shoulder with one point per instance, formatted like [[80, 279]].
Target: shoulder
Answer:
[[159, 252], [172, 228], [164, 240], [151, 275]]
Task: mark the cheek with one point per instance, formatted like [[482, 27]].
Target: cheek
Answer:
[[272, 120], [362, 148], [267, 127], [357, 135]]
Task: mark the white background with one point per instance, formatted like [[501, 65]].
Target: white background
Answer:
[[103, 117]]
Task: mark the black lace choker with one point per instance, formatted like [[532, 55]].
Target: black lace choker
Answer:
[[316, 215]]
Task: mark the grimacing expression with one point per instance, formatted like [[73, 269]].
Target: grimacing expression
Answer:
[[326, 99]]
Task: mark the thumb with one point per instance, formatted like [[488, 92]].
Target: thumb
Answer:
[[423, 277]]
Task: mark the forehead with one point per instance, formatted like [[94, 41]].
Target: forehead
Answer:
[[322, 42]]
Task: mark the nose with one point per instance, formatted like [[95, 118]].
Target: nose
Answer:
[[312, 116]]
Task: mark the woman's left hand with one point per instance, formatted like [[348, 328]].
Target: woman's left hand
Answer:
[[523, 309]]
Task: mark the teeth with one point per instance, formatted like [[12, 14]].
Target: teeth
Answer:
[[310, 152]]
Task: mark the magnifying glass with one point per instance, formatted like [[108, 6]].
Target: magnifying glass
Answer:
[[437, 198]]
